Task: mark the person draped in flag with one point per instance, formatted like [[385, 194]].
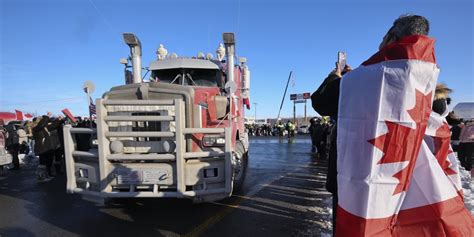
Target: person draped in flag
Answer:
[[388, 181], [438, 137]]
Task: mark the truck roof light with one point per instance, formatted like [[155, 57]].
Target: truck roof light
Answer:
[[200, 55], [174, 56], [220, 52], [161, 52], [209, 56]]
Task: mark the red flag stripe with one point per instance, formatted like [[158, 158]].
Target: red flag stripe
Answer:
[[447, 218], [355, 226], [19, 115], [417, 47]]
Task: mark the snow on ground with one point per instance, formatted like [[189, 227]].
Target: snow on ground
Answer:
[[327, 216], [467, 185], [468, 188]]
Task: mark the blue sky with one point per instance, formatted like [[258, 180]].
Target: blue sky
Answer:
[[50, 47]]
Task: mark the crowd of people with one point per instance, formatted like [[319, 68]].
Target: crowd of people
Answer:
[[462, 137], [320, 131], [41, 138], [277, 129]]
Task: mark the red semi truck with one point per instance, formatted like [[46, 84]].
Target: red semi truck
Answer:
[[179, 135]]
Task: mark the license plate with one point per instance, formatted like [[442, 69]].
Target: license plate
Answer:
[[142, 176]]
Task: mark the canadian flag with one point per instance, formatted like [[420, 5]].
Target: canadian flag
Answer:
[[19, 115], [438, 139], [389, 181]]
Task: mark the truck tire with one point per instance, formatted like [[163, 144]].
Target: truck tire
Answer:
[[239, 167]]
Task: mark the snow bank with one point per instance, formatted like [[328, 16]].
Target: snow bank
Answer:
[[468, 189]]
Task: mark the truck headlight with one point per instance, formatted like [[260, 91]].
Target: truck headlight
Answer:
[[209, 141]]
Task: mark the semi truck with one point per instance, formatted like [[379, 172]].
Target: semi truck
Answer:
[[179, 134]]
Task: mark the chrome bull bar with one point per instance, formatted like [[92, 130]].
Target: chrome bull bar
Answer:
[[94, 169]]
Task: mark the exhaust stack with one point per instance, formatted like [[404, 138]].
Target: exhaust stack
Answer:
[[229, 42], [136, 51]]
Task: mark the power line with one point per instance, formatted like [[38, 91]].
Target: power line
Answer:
[[238, 19], [106, 21], [284, 94]]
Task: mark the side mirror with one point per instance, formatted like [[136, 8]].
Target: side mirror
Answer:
[[221, 106], [230, 87], [124, 61]]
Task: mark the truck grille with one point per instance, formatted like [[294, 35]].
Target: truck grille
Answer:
[[155, 125]]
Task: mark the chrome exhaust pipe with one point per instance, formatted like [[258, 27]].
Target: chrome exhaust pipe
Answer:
[[136, 51]]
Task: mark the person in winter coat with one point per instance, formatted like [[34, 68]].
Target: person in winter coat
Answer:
[[45, 145], [466, 145], [23, 140], [325, 100], [13, 145], [317, 130], [313, 132], [59, 152]]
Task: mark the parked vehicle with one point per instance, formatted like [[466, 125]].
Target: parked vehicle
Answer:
[[303, 129]]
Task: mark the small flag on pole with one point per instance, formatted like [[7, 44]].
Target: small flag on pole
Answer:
[[19, 115], [92, 110], [69, 115]]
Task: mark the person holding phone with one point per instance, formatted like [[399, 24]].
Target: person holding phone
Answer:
[[325, 101]]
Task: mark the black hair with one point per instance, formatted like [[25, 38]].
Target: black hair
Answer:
[[407, 25]]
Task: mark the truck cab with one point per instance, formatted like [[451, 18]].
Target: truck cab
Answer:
[[180, 134]]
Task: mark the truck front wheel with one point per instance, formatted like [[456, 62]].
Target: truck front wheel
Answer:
[[239, 165]]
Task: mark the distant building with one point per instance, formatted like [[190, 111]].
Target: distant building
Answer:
[[251, 120], [464, 110], [299, 120]]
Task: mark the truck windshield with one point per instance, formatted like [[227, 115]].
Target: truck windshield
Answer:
[[188, 77]]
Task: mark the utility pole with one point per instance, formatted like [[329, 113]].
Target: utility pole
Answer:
[[294, 111], [305, 118], [284, 94]]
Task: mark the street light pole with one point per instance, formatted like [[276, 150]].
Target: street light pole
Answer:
[[255, 112]]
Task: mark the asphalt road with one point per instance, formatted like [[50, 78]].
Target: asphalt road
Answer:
[[283, 195]]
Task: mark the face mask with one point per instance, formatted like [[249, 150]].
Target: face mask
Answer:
[[440, 107]]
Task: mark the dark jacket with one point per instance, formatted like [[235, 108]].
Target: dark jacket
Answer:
[[325, 101], [317, 131], [44, 141], [12, 136]]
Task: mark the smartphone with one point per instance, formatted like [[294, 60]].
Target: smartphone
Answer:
[[341, 60]]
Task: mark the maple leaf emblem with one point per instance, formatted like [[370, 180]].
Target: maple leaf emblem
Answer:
[[401, 143], [442, 140]]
